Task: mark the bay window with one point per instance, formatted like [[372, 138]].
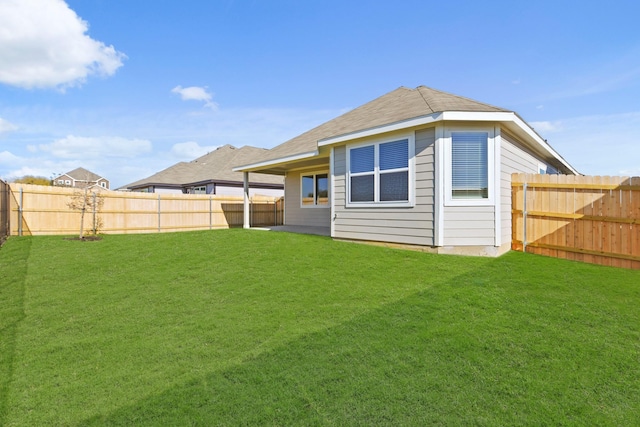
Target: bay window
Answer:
[[469, 167]]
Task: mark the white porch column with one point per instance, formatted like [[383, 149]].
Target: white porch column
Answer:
[[247, 217]]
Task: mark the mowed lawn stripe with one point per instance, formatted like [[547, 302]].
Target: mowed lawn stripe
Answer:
[[245, 327]]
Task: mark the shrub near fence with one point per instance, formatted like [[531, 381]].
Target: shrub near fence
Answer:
[[41, 210], [586, 218]]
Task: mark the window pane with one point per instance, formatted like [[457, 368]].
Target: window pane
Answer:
[[322, 189], [362, 188], [394, 186], [362, 159], [307, 190], [394, 155], [469, 165]]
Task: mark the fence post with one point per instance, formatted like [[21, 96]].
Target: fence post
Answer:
[[159, 213], [20, 209], [210, 212], [524, 217], [5, 210], [95, 225]]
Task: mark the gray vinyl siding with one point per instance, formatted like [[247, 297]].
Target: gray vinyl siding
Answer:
[[469, 225], [513, 159], [297, 215], [412, 225]]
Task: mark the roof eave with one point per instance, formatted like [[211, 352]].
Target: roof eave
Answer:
[[275, 162], [152, 184], [542, 142], [476, 116]]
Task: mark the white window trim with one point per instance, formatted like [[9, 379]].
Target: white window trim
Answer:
[[412, 179], [448, 169], [542, 168], [315, 173]]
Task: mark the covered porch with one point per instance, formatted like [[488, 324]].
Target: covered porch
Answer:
[[306, 173]]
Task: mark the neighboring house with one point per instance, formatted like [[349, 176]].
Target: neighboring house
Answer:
[[212, 174], [80, 178], [414, 167]]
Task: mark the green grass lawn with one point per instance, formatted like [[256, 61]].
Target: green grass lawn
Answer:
[[237, 327]]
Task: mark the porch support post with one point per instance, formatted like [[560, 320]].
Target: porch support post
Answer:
[[246, 221]]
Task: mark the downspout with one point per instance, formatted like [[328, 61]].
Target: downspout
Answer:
[[247, 215], [524, 217], [332, 185]]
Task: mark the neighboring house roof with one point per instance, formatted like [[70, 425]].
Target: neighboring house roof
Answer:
[[82, 174], [212, 167], [401, 108]]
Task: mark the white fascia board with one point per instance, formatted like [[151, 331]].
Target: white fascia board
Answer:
[[508, 117], [272, 162], [418, 121], [478, 116]]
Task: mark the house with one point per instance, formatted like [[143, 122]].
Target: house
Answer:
[[80, 178], [212, 174], [416, 167]]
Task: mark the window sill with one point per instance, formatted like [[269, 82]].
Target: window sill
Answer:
[[380, 205], [469, 202], [314, 206]]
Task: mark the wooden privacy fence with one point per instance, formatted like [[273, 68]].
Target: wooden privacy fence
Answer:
[[593, 219], [4, 210], [41, 210]]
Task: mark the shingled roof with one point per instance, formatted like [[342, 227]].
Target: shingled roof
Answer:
[[213, 166], [394, 107], [82, 174]]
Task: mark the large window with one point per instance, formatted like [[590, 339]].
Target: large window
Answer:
[[379, 173], [469, 165], [315, 189]]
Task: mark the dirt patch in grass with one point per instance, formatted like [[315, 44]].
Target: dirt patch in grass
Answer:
[[85, 238]]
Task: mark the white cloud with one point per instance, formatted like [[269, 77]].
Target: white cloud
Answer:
[[191, 150], [8, 158], [546, 126], [6, 127], [38, 144], [84, 148], [43, 44], [598, 144], [195, 93]]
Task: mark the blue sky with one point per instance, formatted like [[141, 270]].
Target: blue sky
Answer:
[[127, 88]]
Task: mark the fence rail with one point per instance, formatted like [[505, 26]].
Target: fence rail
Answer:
[[41, 210], [593, 219]]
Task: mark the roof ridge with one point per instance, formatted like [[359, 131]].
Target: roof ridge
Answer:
[[423, 98], [459, 96]]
